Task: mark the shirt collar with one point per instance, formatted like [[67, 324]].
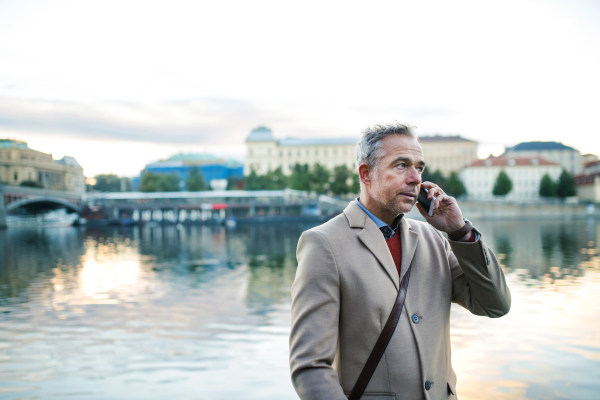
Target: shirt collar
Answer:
[[387, 231]]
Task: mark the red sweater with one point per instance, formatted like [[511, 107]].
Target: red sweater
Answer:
[[396, 248]]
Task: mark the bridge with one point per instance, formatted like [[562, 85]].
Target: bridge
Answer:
[[32, 200], [174, 207]]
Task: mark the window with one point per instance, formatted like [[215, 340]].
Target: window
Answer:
[[16, 176], [281, 154]]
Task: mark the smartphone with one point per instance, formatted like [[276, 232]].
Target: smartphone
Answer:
[[425, 202]]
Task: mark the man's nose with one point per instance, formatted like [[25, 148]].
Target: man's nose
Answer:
[[414, 177]]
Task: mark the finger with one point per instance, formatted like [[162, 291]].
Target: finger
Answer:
[[428, 185], [440, 199], [435, 192]]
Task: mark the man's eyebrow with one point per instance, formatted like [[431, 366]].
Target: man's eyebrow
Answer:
[[420, 163]]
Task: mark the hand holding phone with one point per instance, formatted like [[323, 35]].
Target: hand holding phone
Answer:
[[425, 202]]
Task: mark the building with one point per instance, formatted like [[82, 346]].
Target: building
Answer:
[[588, 182], [587, 158], [22, 165], [448, 153], [568, 157], [525, 173], [265, 153], [214, 170]]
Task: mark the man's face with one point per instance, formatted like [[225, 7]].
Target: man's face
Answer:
[[395, 183]]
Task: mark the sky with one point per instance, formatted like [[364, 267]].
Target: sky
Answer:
[[118, 84]]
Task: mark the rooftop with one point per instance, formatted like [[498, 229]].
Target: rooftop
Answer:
[[529, 146], [70, 161], [443, 138], [317, 141], [193, 158], [11, 143], [260, 134], [512, 162]]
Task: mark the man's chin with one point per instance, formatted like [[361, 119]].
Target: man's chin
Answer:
[[404, 207]]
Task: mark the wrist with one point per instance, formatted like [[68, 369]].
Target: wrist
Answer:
[[464, 233]]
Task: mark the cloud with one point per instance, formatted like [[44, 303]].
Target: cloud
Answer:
[[207, 121]]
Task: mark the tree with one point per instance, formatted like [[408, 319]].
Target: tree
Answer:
[[107, 183], [454, 186], [503, 185], [195, 181], [547, 187], [566, 185], [300, 178], [32, 184], [339, 186], [319, 178], [168, 183], [159, 183], [252, 181], [436, 177], [276, 180], [355, 184]]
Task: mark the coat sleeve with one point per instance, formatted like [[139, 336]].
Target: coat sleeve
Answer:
[[315, 320], [478, 283]]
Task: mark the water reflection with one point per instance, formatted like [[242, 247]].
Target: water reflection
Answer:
[[179, 311]]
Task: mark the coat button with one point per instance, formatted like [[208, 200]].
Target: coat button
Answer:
[[427, 385], [415, 318]]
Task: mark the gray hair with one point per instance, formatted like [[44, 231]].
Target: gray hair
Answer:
[[369, 149]]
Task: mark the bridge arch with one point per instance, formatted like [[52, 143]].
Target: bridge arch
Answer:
[[52, 200]]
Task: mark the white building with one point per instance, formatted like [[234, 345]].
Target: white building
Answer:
[[568, 157], [524, 172], [265, 153], [448, 153]]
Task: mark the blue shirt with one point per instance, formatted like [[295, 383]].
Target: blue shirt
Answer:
[[387, 231]]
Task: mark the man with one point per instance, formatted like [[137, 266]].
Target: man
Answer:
[[350, 269]]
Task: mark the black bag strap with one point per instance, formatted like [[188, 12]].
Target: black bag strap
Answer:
[[382, 342]]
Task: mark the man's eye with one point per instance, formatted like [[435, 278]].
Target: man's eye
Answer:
[[401, 165], [420, 169]]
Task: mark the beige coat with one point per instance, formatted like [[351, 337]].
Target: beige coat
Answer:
[[345, 287]]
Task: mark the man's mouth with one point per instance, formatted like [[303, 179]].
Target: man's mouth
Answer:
[[409, 195]]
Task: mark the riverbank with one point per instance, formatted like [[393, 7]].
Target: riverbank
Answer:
[[491, 211]]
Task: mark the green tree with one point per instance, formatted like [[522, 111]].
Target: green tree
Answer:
[[454, 186], [435, 177], [148, 182], [339, 186], [300, 178], [252, 181], [234, 183], [32, 184], [319, 178], [159, 183], [195, 181], [355, 184], [168, 183], [566, 185], [503, 185], [547, 187], [276, 180], [107, 183]]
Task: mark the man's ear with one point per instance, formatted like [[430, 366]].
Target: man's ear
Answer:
[[364, 174]]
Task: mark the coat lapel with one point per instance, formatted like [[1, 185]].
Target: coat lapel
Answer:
[[408, 240], [372, 238]]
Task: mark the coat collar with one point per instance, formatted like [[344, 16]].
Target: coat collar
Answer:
[[373, 239]]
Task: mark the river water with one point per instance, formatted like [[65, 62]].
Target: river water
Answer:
[[201, 312]]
